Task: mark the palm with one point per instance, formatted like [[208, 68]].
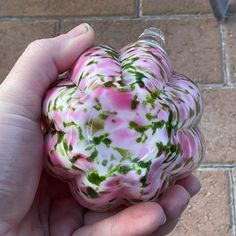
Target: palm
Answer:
[[47, 203], [52, 201], [55, 210]]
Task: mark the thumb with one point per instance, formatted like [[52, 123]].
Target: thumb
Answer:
[[40, 65], [139, 220]]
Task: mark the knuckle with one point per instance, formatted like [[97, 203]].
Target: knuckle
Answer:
[[184, 193], [39, 44], [177, 209], [177, 203]]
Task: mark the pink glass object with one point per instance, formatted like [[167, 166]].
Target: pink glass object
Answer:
[[124, 126]]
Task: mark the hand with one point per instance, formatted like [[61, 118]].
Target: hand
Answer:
[[31, 201]]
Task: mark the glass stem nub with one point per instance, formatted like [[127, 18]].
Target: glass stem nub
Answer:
[[154, 37]]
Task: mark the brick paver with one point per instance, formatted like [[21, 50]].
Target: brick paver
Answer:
[[194, 42]]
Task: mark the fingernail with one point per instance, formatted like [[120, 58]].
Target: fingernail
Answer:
[[79, 30], [185, 204], [86, 27], [164, 220]]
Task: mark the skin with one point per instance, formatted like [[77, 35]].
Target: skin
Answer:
[[31, 201]]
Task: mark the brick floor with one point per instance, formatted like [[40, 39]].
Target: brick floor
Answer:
[[209, 212], [218, 125], [232, 6], [187, 42], [15, 36], [198, 45], [231, 47], [67, 8], [157, 7]]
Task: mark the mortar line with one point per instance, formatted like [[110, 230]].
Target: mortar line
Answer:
[[137, 8], [231, 15], [179, 16], [217, 166], [222, 40], [224, 54], [134, 18], [232, 201], [216, 86], [146, 17], [59, 24], [140, 8], [227, 57], [58, 27], [210, 86], [28, 18]]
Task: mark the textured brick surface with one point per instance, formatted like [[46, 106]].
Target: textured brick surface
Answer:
[[232, 6], [187, 42], [15, 36], [234, 190], [157, 7], [230, 27], [194, 45], [208, 212], [218, 125], [67, 8]]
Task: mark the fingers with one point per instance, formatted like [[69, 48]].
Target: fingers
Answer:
[[173, 201], [59, 212], [40, 64], [191, 184], [92, 217], [139, 220], [65, 216]]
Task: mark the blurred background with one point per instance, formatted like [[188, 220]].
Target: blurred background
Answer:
[[199, 46]]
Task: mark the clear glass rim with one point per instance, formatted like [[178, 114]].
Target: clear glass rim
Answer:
[[153, 36]]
